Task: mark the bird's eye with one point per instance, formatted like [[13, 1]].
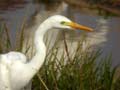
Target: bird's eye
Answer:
[[63, 23]]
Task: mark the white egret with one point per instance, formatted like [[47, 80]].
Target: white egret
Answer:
[[15, 70]]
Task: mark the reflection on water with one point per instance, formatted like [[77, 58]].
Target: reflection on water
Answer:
[[106, 33]]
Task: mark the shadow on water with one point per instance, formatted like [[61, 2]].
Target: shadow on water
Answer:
[[107, 31]]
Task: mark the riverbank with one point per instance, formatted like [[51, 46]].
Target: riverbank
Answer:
[[106, 7]]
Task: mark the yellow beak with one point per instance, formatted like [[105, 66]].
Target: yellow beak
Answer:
[[81, 27]]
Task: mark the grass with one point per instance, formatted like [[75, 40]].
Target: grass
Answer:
[[63, 70], [79, 73]]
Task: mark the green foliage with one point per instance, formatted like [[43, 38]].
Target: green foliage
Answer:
[[79, 73]]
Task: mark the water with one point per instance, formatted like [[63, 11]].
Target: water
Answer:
[[106, 35]]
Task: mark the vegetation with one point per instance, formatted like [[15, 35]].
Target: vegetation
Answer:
[[81, 70]]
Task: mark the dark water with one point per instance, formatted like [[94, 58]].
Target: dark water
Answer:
[[107, 31]]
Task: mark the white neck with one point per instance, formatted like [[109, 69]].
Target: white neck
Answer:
[[37, 60]]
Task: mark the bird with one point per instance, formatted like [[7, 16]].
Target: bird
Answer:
[[16, 71]]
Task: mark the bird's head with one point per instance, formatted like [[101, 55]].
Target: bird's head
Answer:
[[59, 21]]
